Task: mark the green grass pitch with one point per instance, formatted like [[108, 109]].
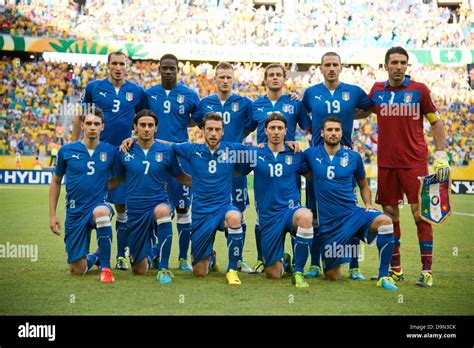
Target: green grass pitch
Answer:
[[45, 287]]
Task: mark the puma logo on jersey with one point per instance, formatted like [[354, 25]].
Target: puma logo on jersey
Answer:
[[381, 97], [209, 107], [319, 160], [260, 109], [262, 158], [317, 97], [129, 157], [75, 156], [199, 154], [154, 97], [104, 94]]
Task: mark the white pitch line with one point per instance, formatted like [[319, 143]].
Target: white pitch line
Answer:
[[466, 214]]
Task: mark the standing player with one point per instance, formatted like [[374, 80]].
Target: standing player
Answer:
[[87, 165], [145, 169], [237, 114], [292, 109], [402, 153], [278, 203], [333, 169], [174, 104], [120, 100], [332, 97], [212, 207]]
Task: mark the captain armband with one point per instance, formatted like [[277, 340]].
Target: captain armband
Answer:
[[432, 117]]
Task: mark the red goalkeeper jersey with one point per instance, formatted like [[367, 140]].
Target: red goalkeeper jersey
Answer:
[[400, 110]]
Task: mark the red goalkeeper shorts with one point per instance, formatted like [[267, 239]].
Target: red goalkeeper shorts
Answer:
[[394, 182]]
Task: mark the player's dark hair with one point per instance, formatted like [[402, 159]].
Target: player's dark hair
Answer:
[[169, 56], [224, 66], [212, 116], [331, 119], [274, 65], [93, 111], [330, 54], [143, 113], [395, 50], [275, 116], [115, 53]]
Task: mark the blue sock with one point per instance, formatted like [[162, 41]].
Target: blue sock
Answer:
[[315, 251], [385, 245], [234, 246], [355, 242], [122, 233], [302, 244], [258, 241], [212, 259], [293, 243], [104, 240], [183, 238], [91, 261], [165, 235]]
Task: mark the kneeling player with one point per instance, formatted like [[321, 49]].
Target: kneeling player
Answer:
[[278, 202], [87, 165], [145, 169], [339, 216]]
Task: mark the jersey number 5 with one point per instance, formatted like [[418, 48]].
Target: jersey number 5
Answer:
[[90, 166]]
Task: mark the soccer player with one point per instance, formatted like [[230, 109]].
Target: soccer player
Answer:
[[278, 202], [145, 169], [212, 207], [401, 103], [237, 114], [340, 219], [332, 97], [292, 109], [120, 100], [87, 165], [174, 104]]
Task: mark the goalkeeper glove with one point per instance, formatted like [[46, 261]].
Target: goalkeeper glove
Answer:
[[441, 165]]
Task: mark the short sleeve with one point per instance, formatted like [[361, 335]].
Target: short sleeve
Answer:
[[304, 165], [426, 104], [118, 169], [195, 107], [303, 119], [360, 170], [182, 150], [250, 124], [363, 102], [306, 101], [60, 167], [174, 168]]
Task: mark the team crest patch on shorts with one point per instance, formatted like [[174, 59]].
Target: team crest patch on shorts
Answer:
[[129, 96], [103, 156], [180, 98], [289, 160], [346, 96], [345, 160], [234, 107], [434, 199], [158, 156]]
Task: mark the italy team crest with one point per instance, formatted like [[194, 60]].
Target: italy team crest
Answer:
[[158, 156], [180, 98], [407, 97], [103, 156], [288, 108], [346, 96], [344, 160], [434, 198], [234, 107], [289, 160], [129, 96]]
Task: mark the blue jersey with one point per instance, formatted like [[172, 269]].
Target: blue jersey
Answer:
[[274, 181], [119, 107], [236, 112], [173, 110], [332, 182], [146, 174], [293, 110], [212, 175], [320, 102], [86, 174]]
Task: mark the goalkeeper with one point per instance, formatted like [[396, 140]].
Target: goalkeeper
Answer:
[[402, 154]]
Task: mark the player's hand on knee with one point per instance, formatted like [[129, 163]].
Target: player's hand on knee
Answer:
[[126, 145], [441, 165], [55, 225]]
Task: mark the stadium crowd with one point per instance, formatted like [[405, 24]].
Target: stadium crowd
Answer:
[[33, 95], [366, 23]]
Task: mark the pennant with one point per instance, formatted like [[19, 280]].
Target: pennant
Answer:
[[434, 198]]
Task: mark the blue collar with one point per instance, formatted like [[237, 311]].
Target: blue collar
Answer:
[[404, 83]]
